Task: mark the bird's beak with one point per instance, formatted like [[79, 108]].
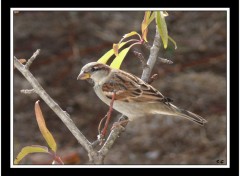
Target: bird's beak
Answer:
[[83, 76]]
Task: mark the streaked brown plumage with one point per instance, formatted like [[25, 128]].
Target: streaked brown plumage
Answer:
[[133, 97]]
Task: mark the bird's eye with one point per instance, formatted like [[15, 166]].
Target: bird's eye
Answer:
[[93, 69]]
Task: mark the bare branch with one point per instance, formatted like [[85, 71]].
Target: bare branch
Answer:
[[52, 104], [110, 140], [165, 61], [152, 57], [30, 61], [27, 91]]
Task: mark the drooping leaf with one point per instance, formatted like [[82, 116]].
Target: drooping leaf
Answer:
[[151, 18], [30, 149], [162, 27], [129, 35], [116, 63], [144, 35], [173, 41], [108, 54], [148, 17], [43, 128], [145, 21]]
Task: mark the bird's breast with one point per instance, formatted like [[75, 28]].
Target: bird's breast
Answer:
[[101, 95]]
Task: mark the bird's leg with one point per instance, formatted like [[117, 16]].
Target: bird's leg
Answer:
[[104, 131]]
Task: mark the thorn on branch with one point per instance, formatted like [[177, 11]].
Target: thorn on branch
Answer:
[[165, 61], [27, 91], [30, 61], [141, 57], [153, 78]]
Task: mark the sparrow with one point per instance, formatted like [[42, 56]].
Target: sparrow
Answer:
[[132, 96]]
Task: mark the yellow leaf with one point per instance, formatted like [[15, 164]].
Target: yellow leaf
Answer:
[[130, 34], [162, 27], [108, 54], [116, 63], [146, 21], [43, 128], [144, 35], [30, 149]]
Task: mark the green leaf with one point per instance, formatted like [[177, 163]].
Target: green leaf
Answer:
[[30, 149], [43, 128], [151, 18], [108, 54], [173, 41], [116, 63], [162, 27]]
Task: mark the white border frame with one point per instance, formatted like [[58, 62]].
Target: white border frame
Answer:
[[124, 166]]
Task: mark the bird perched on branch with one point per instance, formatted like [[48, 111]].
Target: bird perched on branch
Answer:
[[132, 96]]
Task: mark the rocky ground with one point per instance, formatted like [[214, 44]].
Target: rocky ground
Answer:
[[196, 81]]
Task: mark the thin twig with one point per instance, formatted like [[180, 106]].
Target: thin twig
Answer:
[[152, 57], [110, 140], [53, 105], [30, 61], [27, 91], [141, 58], [165, 61], [153, 78]]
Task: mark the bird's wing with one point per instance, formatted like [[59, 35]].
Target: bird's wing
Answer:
[[130, 88]]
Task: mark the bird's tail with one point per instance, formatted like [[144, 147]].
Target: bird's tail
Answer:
[[188, 115]]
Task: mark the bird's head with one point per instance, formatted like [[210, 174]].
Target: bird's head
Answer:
[[95, 71]]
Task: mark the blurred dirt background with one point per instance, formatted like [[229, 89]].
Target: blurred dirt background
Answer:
[[196, 81]]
